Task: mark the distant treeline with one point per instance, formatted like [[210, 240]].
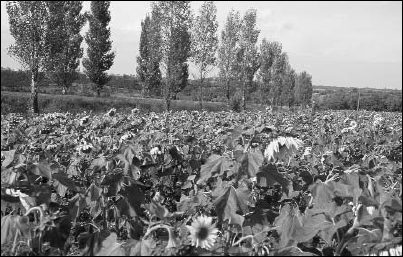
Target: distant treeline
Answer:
[[336, 98], [349, 98], [19, 81]]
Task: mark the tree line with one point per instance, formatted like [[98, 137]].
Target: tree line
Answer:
[[171, 37], [363, 99], [325, 98], [47, 40]]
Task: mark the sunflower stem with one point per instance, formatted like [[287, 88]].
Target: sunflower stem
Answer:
[[252, 236], [157, 227]]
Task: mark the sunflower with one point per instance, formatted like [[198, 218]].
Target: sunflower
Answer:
[[282, 148], [202, 232]]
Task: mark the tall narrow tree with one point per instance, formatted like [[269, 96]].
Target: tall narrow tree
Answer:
[[278, 75], [100, 57], [148, 61], [204, 41], [143, 58], [303, 89], [28, 26], [180, 55], [287, 92], [64, 41], [269, 52], [227, 51], [248, 55], [174, 22]]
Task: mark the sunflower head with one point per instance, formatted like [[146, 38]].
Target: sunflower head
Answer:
[[202, 232]]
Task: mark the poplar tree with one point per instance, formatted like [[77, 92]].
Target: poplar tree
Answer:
[[269, 53], [303, 89], [287, 93], [100, 57], [227, 51], [64, 41], [28, 25], [148, 68], [204, 42], [247, 54], [278, 75], [174, 19]]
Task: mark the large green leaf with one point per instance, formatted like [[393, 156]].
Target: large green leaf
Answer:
[[41, 169], [251, 162], [268, 175], [215, 164], [232, 139], [290, 228], [189, 204], [160, 211], [134, 196], [110, 247], [142, 248], [9, 226], [91, 243], [291, 251], [8, 158], [8, 229], [61, 180], [228, 204]]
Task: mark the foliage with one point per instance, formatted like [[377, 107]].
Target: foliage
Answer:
[[204, 41], [270, 53], [28, 26], [100, 58], [63, 41], [174, 22], [130, 183], [247, 53], [303, 88], [148, 62], [227, 51]]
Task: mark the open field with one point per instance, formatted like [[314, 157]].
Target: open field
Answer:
[[18, 102], [134, 183]]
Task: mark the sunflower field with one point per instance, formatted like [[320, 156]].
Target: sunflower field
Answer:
[[202, 183]]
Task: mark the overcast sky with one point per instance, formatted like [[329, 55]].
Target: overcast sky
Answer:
[[347, 44]]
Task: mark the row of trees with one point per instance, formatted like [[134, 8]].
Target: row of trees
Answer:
[[325, 97], [171, 36], [47, 39]]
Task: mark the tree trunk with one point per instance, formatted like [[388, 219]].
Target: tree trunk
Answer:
[[201, 91], [34, 108], [168, 103], [244, 96], [227, 89], [167, 95], [98, 91]]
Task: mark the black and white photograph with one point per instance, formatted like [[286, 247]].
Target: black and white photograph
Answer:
[[201, 128]]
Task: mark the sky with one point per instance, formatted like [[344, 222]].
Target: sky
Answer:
[[343, 44]]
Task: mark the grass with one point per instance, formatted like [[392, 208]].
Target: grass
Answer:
[[18, 102]]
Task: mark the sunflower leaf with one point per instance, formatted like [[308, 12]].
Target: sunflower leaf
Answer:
[[228, 204]]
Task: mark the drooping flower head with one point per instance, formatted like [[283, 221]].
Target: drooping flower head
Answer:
[[202, 232], [282, 148]]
